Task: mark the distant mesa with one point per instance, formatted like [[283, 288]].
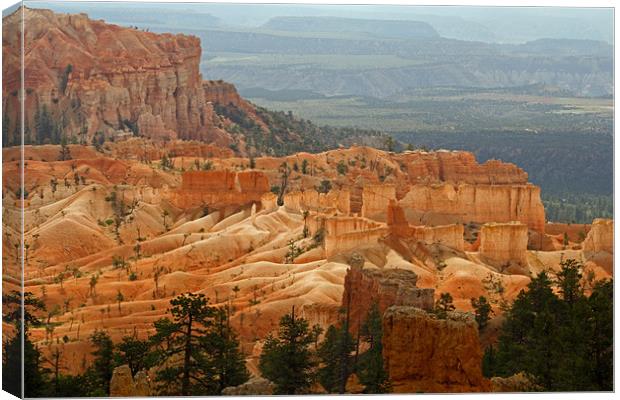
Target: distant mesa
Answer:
[[388, 29]]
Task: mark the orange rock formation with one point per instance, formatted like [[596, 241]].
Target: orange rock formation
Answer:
[[504, 245], [424, 354], [311, 200], [600, 237], [345, 233], [447, 235], [449, 203], [375, 200], [459, 167], [386, 287], [101, 72], [222, 187]]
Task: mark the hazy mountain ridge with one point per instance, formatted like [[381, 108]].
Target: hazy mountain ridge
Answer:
[[379, 28]]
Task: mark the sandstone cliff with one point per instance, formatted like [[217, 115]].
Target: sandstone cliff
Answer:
[[449, 203], [344, 233], [311, 200], [600, 237], [459, 167], [424, 354], [598, 246], [375, 200], [123, 384], [505, 246], [92, 76], [221, 187], [447, 235], [388, 287]]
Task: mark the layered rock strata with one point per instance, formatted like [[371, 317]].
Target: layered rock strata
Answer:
[[343, 233], [459, 167], [311, 200], [504, 246], [364, 287], [106, 78], [461, 203], [600, 237], [422, 353], [123, 384], [375, 200], [447, 235], [221, 187]]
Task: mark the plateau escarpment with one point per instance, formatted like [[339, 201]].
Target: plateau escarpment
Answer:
[[106, 78], [87, 81]]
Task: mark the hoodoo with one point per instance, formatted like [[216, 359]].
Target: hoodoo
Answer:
[[505, 246], [425, 354]]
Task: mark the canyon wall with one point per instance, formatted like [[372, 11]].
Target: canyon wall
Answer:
[[439, 204], [91, 76], [364, 287], [375, 200], [311, 200], [600, 237], [346, 233], [220, 187], [424, 354], [504, 245], [458, 167], [447, 235]]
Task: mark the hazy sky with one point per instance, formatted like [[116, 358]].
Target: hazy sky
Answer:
[[489, 24]]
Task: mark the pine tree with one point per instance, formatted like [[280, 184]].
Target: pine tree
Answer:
[[133, 352], [443, 305], [482, 311], [199, 350], [225, 360], [564, 343], [488, 362], [34, 380], [65, 153], [371, 371], [286, 360], [334, 353], [6, 142], [43, 125], [99, 373]]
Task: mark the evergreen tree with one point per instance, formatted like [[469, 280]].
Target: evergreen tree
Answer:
[[133, 352], [286, 360], [43, 125], [195, 361], [569, 279], [601, 338], [335, 353], [564, 343], [12, 362], [224, 358], [489, 362], [99, 373], [482, 311], [443, 305], [371, 371], [6, 142], [65, 153]]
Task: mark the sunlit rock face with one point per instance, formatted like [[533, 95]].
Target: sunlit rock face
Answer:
[[365, 287], [106, 78], [504, 245], [464, 202], [425, 354]]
